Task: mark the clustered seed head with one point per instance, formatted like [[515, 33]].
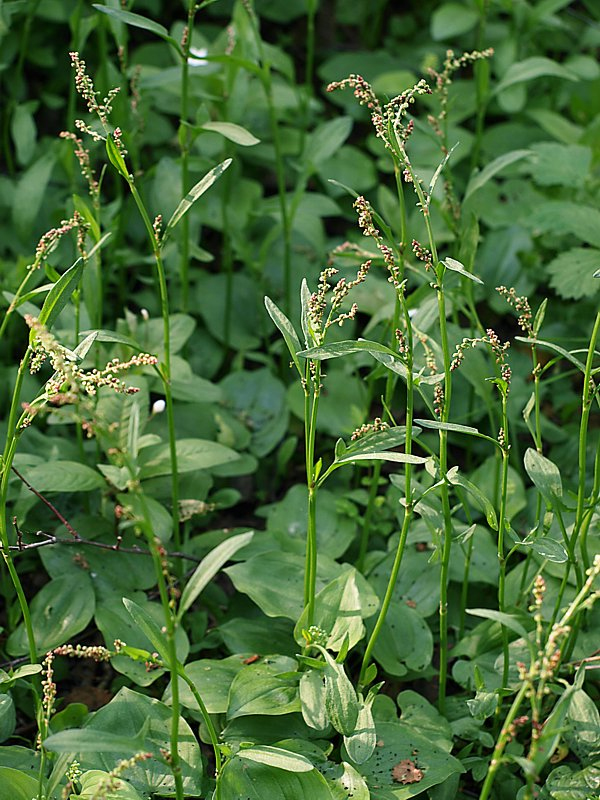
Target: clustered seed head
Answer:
[[85, 87], [94, 652], [366, 224], [497, 347], [51, 238], [68, 378], [362, 91], [317, 303], [371, 427], [521, 305], [82, 155], [423, 254], [438, 399]]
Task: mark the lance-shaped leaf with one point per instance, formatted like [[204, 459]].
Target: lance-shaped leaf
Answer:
[[453, 427], [456, 266], [287, 330], [276, 757], [481, 500], [235, 133], [487, 173], [145, 622], [195, 192], [138, 21], [208, 568], [556, 348], [59, 294]]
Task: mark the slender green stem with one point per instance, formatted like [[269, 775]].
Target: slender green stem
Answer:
[[501, 526], [586, 405], [502, 741], [7, 460], [408, 509], [310, 422], [214, 739], [165, 368], [184, 144]]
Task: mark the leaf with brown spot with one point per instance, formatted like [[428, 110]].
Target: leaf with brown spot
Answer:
[[406, 771]]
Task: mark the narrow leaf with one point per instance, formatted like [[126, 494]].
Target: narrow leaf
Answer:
[[481, 178], [452, 427], [59, 295], [481, 500], [456, 266], [287, 330], [138, 21], [235, 133], [149, 627], [531, 68], [197, 191], [208, 568], [81, 740], [276, 757], [508, 620]]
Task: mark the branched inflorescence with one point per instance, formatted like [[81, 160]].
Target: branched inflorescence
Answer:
[[521, 306], [102, 108], [497, 347], [68, 378], [317, 303]]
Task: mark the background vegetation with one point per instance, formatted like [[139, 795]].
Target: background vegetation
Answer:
[[193, 198]]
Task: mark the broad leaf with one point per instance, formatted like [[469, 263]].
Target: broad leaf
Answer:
[[544, 474], [64, 476], [243, 778], [17, 785], [531, 68], [59, 611], [258, 689]]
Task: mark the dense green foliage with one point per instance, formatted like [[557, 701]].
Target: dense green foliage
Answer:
[[300, 472]]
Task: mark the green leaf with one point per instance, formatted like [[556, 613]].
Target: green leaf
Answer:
[[25, 671], [547, 548], [554, 164], [259, 689], [341, 702], [133, 714], [116, 158], [63, 476], [337, 611], [208, 568], [212, 678], [138, 21], [288, 332], [326, 139], [452, 19], [243, 778], [556, 348], [8, 717], [29, 193], [276, 757], [60, 294], [544, 474], [95, 782], [82, 740], [192, 454], [573, 273], [564, 217], [195, 192], [232, 131], [508, 620], [531, 68], [456, 266], [149, 627], [487, 173], [312, 697], [361, 744], [59, 611], [583, 732], [564, 784], [403, 743], [17, 785], [405, 641], [452, 427], [481, 500]]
